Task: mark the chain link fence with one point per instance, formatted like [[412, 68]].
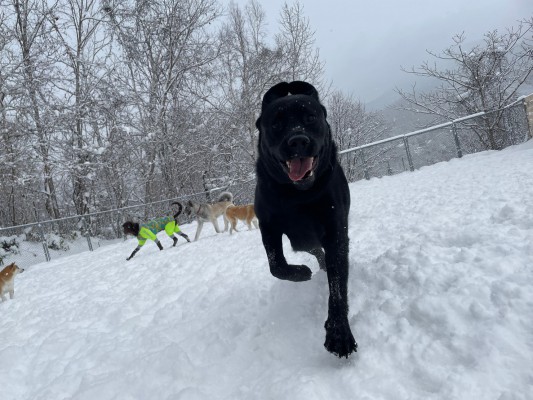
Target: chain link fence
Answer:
[[438, 143], [43, 241], [38, 242]]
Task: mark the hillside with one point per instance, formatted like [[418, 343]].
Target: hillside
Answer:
[[441, 299]]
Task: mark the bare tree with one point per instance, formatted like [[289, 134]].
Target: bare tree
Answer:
[[77, 28], [32, 38], [166, 46], [296, 40], [10, 157], [353, 126], [248, 66], [113, 102], [485, 77], [250, 63]]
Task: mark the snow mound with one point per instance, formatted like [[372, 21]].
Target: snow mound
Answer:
[[441, 299]]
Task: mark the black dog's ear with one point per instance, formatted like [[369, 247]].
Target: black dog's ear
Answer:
[[300, 87], [282, 89], [275, 92]]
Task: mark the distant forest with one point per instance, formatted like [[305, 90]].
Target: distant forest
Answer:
[[105, 104]]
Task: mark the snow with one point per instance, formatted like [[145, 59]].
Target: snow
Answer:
[[441, 304]]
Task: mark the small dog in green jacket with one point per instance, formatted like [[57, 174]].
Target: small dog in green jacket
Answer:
[[150, 229]]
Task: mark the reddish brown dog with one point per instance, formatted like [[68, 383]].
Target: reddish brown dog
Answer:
[[244, 213], [7, 280]]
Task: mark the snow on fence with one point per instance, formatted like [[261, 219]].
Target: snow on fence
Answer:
[[42, 241]]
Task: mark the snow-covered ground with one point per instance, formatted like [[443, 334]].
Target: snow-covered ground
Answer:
[[441, 305], [30, 252]]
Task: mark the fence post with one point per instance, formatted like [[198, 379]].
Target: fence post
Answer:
[[43, 240], [406, 144], [87, 233], [456, 140], [528, 106], [365, 166], [120, 232]]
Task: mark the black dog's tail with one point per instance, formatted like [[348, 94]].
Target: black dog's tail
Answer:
[[180, 209]]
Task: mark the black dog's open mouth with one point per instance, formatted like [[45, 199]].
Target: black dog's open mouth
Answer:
[[299, 169]]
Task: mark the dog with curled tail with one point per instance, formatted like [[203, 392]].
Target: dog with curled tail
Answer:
[[209, 212]]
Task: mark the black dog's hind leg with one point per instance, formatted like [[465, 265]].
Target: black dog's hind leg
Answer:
[[320, 257], [183, 235], [276, 260]]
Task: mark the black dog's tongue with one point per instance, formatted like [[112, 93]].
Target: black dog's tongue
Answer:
[[298, 167]]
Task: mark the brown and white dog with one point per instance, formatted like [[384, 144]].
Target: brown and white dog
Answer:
[[7, 280], [244, 213]]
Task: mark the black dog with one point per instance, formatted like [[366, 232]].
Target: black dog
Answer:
[[303, 193]]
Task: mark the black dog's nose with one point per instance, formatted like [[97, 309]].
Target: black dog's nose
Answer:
[[298, 143]]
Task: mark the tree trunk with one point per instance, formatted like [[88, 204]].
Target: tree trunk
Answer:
[[49, 187]]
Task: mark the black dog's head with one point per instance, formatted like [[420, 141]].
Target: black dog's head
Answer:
[[130, 228], [295, 142]]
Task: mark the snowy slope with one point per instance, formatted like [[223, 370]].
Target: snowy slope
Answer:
[[441, 297]]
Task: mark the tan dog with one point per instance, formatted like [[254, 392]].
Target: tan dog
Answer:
[[244, 213], [7, 280]]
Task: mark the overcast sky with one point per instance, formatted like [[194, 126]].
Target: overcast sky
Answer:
[[364, 43]]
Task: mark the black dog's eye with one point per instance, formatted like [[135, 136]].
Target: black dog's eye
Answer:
[[310, 118], [277, 123]]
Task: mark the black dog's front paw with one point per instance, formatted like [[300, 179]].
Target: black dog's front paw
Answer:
[[339, 338], [294, 273]]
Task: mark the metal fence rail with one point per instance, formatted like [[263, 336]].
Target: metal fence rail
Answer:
[[445, 141], [42, 241]]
